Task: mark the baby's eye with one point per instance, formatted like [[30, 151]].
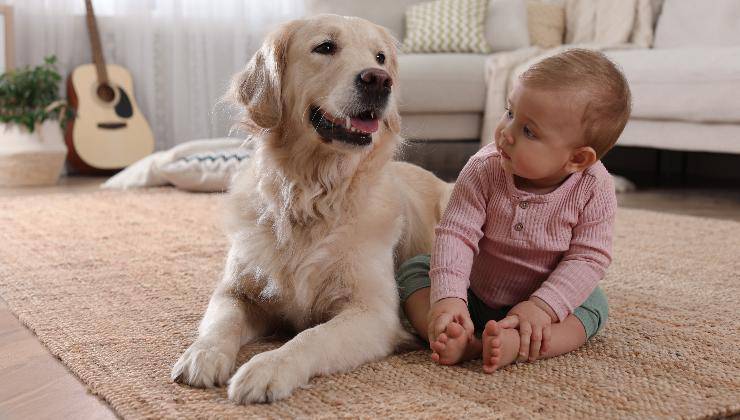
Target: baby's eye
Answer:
[[528, 132], [509, 114]]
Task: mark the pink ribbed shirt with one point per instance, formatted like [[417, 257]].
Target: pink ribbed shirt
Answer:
[[507, 245]]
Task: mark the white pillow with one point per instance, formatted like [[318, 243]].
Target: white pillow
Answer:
[[149, 171], [687, 23], [506, 25], [207, 171]]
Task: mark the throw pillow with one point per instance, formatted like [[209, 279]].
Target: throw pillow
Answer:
[[546, 23], [208, 171], [178, 166], [446, 26]]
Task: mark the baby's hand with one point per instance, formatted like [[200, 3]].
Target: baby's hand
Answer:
[[445, 311], [534, 329], [450, 330]]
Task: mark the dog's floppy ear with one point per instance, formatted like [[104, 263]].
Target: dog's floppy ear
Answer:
[[258, 86]]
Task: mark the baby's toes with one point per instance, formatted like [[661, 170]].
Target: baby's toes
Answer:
[[438, 346], [492, 329], [491, 360], [454, 330], [490, 365]]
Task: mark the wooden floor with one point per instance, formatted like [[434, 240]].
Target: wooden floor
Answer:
[[35, 385]]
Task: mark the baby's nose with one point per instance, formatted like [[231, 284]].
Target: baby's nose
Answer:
[[506, 137]]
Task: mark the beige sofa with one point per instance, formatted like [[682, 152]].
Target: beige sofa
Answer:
[[686, 88]]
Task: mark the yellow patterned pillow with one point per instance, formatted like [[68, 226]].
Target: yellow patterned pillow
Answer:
[[446, 26]]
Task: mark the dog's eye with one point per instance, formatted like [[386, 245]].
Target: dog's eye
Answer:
[[380, 58], [327, 48]]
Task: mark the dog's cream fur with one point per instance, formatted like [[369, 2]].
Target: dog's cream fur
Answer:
[[316, 227]]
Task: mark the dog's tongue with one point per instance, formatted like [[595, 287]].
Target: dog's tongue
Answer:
[[368, 126]]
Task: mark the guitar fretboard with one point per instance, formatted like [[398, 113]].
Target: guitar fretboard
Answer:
[[97, 50]]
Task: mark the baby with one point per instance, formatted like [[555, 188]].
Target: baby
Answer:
[[527, 233]]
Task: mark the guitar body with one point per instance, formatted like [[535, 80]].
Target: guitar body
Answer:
[[106, 134]]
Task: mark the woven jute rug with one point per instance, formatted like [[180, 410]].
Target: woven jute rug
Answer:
[[114, 284]]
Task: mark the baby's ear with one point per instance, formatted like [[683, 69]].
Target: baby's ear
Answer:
[[258, 87], [581, 158]]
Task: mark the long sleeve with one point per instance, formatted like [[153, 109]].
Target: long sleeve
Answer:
[[458, 233], [585, 262]]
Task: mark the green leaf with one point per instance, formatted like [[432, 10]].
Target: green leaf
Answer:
[[26, 93]]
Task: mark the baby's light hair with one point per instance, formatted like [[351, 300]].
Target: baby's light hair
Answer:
[[609, 101]]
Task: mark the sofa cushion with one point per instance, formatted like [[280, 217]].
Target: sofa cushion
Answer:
[[427, 126], [444, 82], [388, 13], [679, 135], [686, 23], [506, 21], [446, 26], [683, 84], [506, 25]]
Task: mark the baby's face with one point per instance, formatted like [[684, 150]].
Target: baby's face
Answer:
[[538, 132]]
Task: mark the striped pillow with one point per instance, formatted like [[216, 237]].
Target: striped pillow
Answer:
[[206, 171], [446, 26]]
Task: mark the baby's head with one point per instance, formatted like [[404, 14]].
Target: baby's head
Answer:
[[564, 114]]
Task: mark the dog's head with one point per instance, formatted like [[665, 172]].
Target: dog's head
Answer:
[[329, 78]]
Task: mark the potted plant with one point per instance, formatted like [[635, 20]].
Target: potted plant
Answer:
[[32, 115]]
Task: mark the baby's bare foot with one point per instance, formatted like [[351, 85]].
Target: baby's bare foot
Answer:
[[500, 346], [449, 347]]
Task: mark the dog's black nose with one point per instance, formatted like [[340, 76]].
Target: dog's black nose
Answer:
[[375, 80]]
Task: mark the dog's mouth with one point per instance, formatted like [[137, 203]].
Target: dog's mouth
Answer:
[[357, 130]]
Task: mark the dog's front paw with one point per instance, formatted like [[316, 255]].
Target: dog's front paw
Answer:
[[267, 377], [203, 365]]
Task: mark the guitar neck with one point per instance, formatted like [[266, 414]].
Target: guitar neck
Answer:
[[97, 50]]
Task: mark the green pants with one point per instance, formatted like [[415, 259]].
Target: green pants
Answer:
[[414, 275]]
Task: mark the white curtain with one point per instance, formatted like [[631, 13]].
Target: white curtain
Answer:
[[181, 53]]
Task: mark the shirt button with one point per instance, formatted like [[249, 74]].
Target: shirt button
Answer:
[[524, 204], [518, 227]]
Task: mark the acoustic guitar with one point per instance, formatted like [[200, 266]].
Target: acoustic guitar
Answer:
[[108, 131]]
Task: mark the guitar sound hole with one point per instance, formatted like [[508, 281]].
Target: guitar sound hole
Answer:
[[106, 93]]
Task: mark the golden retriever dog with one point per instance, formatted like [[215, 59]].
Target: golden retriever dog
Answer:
[[320, 219]]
